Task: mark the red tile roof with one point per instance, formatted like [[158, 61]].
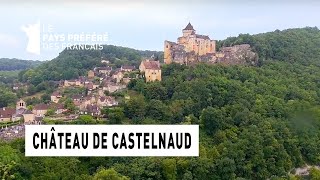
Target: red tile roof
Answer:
[[155, 65], [7, 112], [41, 107], [56, 93], [127, 67]]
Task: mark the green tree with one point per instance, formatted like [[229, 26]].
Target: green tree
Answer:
[[136, 107], [169, 169], [212, 119], [108, 174]]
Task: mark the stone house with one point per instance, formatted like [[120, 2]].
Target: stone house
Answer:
[[90, 74], [127, 68], [40, 109], [103, 70], [118, 76], [7, 114], [107, 101], [151, 70], [112, 87], [28, 117], [92, 109], [58, 108], [55, 97]]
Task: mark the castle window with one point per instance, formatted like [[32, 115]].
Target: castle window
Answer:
[[167, 46]]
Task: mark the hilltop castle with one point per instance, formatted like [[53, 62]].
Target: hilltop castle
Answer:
[[192, 48]]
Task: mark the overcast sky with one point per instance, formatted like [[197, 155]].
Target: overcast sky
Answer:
[[146, 24]]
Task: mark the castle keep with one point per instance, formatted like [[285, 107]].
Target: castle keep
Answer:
[[191, 48]]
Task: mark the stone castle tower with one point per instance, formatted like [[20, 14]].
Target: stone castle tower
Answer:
[[188, 43]]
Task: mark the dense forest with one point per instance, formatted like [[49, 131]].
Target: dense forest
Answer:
[[256, 122], [17, 64], [292, 45]]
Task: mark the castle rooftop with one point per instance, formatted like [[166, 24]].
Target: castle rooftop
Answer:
[[188, 27]]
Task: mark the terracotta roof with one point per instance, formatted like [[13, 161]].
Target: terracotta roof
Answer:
[[89, 85], [57, 106], [127, 67], [56, 93], [92, 108], [188, 27], [155, 65], [102, 99], [78, 96], [41, 107], [7, 112], [76, 103], [110, 98], [88, 98]]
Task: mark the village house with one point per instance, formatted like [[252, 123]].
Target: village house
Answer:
[[55, 97], [73, 82], [92, 110], [90, 74], [151, 70], [15, 87], [112, 87], [6, 114], [103, 70], [127, 68], [118, 75], [77, 97], [104, 60], [58, 108], [40, 109], [28, 117], [90, 87], [80, 82], [77, 104], [106, 101], [126, 80], [91, 99]]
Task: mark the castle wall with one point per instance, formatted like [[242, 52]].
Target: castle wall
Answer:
[[167, 53], [190, 47]]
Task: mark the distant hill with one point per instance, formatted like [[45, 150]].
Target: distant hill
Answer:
[[73, 63], [291, 45], [17, 64]]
